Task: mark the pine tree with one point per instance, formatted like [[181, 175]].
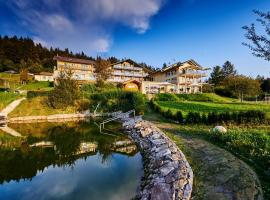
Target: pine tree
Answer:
[[228, 69], [217, 76]]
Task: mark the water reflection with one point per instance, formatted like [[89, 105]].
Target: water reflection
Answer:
[[68, 160]]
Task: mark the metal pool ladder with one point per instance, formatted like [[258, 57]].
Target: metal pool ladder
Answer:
[[119, 116]]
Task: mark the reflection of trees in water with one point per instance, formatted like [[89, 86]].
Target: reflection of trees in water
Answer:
[[66, 140], [26, 161]]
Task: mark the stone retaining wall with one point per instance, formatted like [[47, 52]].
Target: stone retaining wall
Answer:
[[167, 174]]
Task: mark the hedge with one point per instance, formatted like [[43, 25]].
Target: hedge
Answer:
[[38, 93], [243, 117]]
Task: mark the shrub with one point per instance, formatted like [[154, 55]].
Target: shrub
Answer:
[[65, 93], [38, 93], [207, 88], [166, 97], [179, 117], [116, 100], [169, 114], [223, 92], [82, 104]]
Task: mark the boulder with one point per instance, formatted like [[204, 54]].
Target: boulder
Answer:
[[220, 129]]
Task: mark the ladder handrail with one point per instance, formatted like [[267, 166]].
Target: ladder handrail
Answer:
[[115, 117]]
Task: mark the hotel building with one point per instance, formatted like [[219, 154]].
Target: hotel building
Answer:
[[82, 69], [181, 77], [184, 77]]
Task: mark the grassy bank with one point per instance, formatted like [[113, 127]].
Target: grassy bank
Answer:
[[206, 103], [206, 107], [38, 106], [41, 85], [6, 98]]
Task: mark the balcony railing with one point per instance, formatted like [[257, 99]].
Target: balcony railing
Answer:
[[127, 67], [195, 73], [129, 74]]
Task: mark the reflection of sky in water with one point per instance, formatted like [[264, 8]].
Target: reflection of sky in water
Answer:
[[116, 179]]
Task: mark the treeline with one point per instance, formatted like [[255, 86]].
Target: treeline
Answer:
[[19, 53], [23, 53], [243, 117], [226, 81]]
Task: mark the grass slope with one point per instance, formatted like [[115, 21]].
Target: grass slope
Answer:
[[36, 107], [6, 98], [42, 85], [205, 107]]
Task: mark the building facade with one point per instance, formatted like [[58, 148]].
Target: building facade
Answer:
[[128, 70], [182, 77], [187, 77], [44, 76], [82, 69]]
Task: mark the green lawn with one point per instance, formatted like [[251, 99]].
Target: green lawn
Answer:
[[42, 85], [205, 107], [37, 106], [6, 98]]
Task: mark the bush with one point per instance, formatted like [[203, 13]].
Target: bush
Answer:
[[116, 100], [65, 93], [207, 88], [82, 104], [38, 93], [179, 117], [244, 117], [223, 92], [166, 97], [193, 118]]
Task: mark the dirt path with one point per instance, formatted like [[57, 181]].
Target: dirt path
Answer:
[[219, 175], [10, 107]]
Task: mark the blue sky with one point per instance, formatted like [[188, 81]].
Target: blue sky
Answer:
[[152, 31]]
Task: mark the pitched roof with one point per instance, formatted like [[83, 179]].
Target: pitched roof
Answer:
[[74, 60], [134, 63], [129, 61], [179, 64], [45, 74]]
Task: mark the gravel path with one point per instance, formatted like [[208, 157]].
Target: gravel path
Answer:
[[219, 175]]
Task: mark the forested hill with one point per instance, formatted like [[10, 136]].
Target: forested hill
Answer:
[[17, 53], [20, 53]]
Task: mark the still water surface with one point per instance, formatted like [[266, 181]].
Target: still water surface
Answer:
[[68, 161]]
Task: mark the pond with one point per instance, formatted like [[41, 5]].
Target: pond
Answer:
[[68, 161]]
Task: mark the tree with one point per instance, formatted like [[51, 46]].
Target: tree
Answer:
[[260, 42], [164, 66], [265, 85], [242, 86], [228, 69], [217, 76], [65, 92], [103, 71]]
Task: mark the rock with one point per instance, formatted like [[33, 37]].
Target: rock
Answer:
[[167, 174], [220, 129], [161, 192]]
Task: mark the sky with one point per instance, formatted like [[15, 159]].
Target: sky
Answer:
[[150, 31]]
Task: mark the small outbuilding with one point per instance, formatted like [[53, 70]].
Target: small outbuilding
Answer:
[[44, 76], [132, 85]]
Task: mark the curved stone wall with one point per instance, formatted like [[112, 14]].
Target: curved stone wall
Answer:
[[167, 174]]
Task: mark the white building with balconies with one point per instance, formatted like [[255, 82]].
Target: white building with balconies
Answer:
[[186, 76]]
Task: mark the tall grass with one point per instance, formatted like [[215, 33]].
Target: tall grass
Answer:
[[6, 98]]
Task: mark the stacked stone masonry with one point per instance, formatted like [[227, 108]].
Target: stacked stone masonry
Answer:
[[167, 174]]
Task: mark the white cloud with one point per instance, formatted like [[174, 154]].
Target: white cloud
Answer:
[[83, 25]]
